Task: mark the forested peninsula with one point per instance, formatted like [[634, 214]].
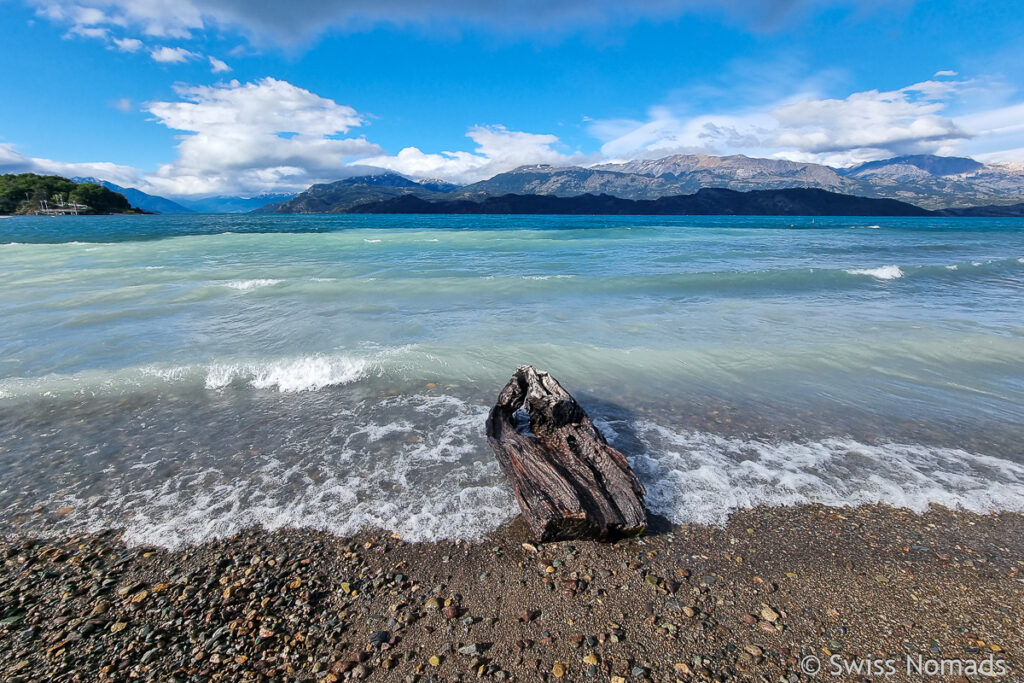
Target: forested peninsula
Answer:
[[32, 194]]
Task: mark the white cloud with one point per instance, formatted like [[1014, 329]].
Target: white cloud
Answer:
[[217, 66], [498, 149], [128, 44], [897, 121], [945, 73], [13, 161], [255, 136], [163, 18], [997, 134], [173, 55], [97, 32], [123, 104], [865, 125]]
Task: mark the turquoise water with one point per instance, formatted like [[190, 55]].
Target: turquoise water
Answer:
[[183, 376]]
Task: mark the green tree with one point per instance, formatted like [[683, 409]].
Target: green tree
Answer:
[[22, 191], [99, 198]]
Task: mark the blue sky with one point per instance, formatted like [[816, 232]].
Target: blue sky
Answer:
[[197, 97]]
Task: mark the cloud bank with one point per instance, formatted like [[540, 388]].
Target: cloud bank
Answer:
[[864, 125], [265, 135], [301, 19]]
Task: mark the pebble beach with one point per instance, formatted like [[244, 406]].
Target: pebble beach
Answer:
[[761, 598]]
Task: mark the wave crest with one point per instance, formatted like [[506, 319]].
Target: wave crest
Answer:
[[244, 285], [300, 374], [882, 273]]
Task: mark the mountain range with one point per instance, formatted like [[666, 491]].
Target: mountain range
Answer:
[[927, 181], [930, 182]]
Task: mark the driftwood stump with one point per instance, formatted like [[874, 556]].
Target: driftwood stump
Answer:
[[569, 482]]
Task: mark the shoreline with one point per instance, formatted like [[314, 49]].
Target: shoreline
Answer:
[[745, 601]]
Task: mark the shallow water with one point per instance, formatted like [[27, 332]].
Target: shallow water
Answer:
[[182, 376]]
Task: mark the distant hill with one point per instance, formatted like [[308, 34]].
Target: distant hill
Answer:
[[342, 195], [785, 202], [138, 198], [231, 204]]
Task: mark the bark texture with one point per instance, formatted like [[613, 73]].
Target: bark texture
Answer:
[[569, 482]]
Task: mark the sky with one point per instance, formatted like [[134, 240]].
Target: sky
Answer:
[[190, 98]]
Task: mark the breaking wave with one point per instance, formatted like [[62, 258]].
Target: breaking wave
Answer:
[[882, 273], [301, 374], [287, 375]]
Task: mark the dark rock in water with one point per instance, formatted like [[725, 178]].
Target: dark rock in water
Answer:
[[569, 482]]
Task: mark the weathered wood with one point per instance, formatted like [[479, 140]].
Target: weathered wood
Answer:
[[569, 482]]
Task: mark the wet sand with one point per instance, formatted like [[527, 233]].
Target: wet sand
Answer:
[[748, 601]]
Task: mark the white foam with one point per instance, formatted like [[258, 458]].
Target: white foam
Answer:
[[953, 267], [881, 273], [429, 478], [308, 373], [696, 477], [438, 482], [369, 241], [244, 285]]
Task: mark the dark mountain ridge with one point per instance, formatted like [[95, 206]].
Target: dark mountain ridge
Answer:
[[707, 201], [995, 211]]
